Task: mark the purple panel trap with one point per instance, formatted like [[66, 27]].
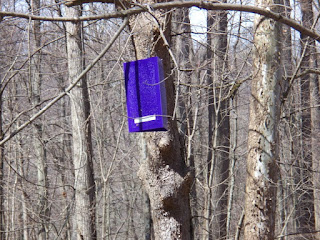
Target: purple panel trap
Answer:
[[146, 95]]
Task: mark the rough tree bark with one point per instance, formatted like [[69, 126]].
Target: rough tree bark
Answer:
[[219, 127], [2, 220], [263, 140], [164, 174], [38, 143], [2, 209], [84, 210]]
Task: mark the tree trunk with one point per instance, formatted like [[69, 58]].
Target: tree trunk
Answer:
[[38, 143], [315, 144], [2, 221], [146, 209], [2, 207], [164, 175], [288, 134], [219, 126], [233, 159], [314, 97], [23, 197], [263, 140], [182, 41], [84, 213], [306, 205]]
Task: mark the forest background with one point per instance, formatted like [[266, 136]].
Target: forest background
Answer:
[[240, 159]]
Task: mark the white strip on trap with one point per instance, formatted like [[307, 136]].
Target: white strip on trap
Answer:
[[145, 119]]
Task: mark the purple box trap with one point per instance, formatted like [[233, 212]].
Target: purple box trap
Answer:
[[146, 95]]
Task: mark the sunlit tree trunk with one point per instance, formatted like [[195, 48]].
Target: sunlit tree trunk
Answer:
[[146, 209], [164, 174], [84, 209], [263, 140], [233, 159]]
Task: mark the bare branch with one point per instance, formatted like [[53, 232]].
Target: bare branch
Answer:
[[70, 3], [178, 4]]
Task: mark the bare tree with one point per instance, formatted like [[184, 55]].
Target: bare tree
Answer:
[[164, 175], [38, 140], [219, 127], [263, 141], [184, 54], [84, 208], [310, 100], [315, 136], [309, 160]]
